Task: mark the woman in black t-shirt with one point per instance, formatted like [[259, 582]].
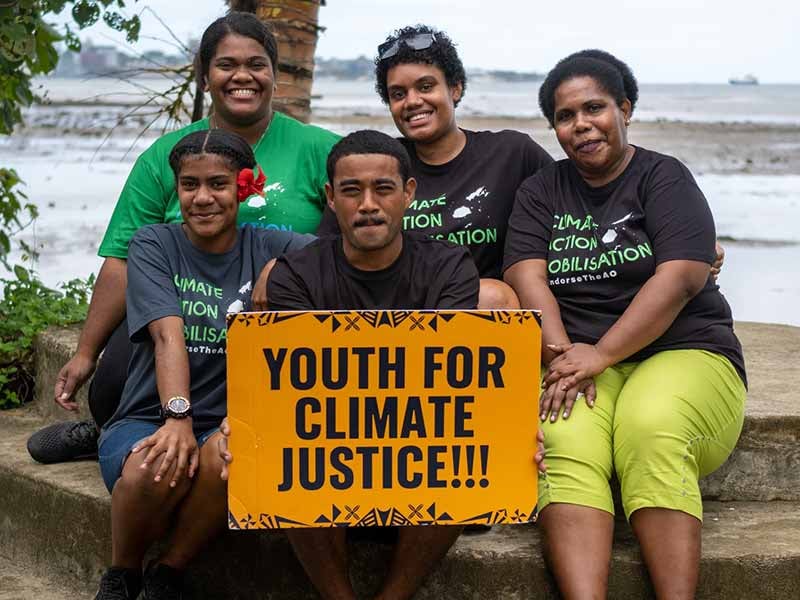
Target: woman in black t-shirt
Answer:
[[615, 244], [466, 180]]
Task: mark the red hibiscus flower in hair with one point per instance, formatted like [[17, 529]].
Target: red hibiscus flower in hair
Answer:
[[248, 184]]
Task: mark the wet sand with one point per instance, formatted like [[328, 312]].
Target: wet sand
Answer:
[[722, 148]]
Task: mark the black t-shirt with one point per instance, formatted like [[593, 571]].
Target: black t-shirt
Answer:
[[602, 244], [428, 274], [468, 200]]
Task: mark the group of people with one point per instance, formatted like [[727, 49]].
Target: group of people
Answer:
[[643, 376]]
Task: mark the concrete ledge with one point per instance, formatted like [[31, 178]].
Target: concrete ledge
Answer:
[[57, 518], [19, 580], [766, 463]]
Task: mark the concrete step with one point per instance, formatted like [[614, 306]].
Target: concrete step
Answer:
[[21, 581], [763, 467], [56, 520]]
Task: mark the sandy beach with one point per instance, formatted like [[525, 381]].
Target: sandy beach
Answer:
[[716, 147], [724, 148]]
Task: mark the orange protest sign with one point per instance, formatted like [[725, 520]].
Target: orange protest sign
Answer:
[[352, 418]]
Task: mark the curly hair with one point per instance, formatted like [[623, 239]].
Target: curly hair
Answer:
[[441, 53], [368, 141], [230, 146], [240, 23], [613, 75]]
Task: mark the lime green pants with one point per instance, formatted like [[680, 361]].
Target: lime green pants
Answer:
[[660, 424]]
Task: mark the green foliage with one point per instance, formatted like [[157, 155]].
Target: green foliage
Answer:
[[27, 308], [16, 213], [28, 45]]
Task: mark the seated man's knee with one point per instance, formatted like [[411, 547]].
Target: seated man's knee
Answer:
[[496, 294]]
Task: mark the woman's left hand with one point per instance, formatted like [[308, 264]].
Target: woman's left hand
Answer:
[[574, 363], [554, 397]]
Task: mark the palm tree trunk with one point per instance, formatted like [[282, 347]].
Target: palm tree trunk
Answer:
[[296, 28]]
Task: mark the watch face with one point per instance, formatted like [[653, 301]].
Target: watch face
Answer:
[[178, 405]]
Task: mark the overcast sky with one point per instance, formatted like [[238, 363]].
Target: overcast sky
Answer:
[[663, 41]]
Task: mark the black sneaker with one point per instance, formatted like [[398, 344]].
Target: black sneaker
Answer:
[[162, 582], [120, 584], [60, 442]]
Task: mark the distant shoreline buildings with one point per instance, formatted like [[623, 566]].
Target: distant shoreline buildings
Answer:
[[94, 60]]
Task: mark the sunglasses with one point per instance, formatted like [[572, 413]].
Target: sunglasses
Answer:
[[419, 41]]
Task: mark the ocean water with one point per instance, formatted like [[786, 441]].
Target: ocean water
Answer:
[[486, 97], [75, 180], [686, 102]]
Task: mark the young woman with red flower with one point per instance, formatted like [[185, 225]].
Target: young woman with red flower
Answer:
[[236, 62], [158, 455]]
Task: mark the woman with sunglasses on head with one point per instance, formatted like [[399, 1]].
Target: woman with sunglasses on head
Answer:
[[237, 63], [466, 180], [615, 245]]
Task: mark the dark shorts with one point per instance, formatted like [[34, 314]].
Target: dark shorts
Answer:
[[117, 441]]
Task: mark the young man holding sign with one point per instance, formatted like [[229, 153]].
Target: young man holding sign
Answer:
[[372, 265]]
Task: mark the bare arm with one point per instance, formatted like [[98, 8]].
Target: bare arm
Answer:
[[654, 308], [106, 312], [171, 358], [175, 438], [652, 311]]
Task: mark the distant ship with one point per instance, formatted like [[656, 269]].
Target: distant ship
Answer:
[[746, 80]]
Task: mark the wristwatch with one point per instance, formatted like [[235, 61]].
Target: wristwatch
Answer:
[[176, 407]]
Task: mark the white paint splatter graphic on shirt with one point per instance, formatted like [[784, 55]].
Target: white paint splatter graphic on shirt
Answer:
[[623, 219], [611, 234], [259, 201], [462, 211], [236, 306], [479, 193], [246, 287]]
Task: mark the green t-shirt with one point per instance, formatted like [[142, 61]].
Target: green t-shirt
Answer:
[[292, 155]]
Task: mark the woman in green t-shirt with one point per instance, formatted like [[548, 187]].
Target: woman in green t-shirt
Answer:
[[236, 61]]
